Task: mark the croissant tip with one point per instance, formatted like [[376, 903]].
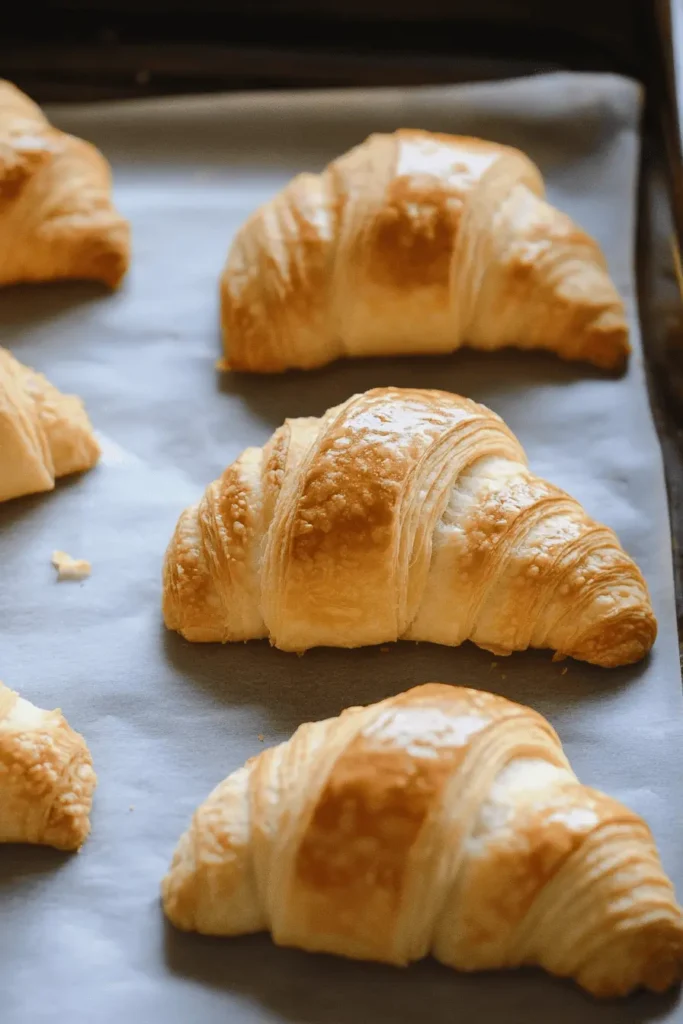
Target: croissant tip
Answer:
[[605, 344], [111, 265], [625, 641], [653, 962], [69, 823], [179, 884]]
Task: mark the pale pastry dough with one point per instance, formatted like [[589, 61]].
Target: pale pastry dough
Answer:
[[57, 219], [416, 243], [402, 514], [69, 568], [43, 433], [444, 821], [46, 776]]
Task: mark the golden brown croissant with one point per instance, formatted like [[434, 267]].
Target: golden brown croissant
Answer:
[[444, 821], [416, 243], [56, 215], [43, 433], [46, 776], [402, 514]]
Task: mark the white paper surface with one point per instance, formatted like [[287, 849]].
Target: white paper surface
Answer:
[[82, 938]]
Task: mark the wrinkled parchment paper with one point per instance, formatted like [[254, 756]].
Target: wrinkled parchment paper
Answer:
[[82, 938]]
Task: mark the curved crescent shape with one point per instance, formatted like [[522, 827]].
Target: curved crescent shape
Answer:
[[416, 243], [444, 821], [402, 514]]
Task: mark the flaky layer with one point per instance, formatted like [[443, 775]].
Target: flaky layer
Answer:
[[416, 243], [57, 219], [46, 776], [402, 514], [43, 433], [444, 821]]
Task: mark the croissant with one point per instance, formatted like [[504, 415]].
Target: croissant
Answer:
[[401, 514], [416, 242], [444, 821], [43, 433], [56, 214], [46, 776]]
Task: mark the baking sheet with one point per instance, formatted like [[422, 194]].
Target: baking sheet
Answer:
[[83, 937]]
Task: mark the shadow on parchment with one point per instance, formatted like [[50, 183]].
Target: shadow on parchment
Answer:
[[322, 682], [318, 989], [30, 505], [25, 305], [478, 375], [23, 862]]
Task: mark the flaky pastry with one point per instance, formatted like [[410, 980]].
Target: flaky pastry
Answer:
[[444, 821], [57, 219], [46, 776], [43, 433], [402, 514], [416, 243]]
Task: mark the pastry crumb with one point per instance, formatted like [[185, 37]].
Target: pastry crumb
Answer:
[[69, 568], [503, 676], [384, 650], [564, 671], [559, 657], [494, 664], [260, 737]]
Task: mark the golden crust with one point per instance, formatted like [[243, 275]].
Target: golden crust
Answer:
[[402, 514], [444, 821], [57, 219], [46, 776], [416, 243], [44, 434]]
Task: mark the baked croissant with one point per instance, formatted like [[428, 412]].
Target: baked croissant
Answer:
[[401, 514], [416, 243], [444, 821], [43, 433], [57, 219], [46, 776]]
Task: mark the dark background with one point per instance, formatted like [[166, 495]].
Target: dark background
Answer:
[[80, 50], [90, 49]]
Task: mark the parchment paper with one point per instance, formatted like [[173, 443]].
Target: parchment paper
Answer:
[[82, 938]]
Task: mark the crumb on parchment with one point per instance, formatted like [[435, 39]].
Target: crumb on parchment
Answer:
[[260, 737], [69, 568]]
